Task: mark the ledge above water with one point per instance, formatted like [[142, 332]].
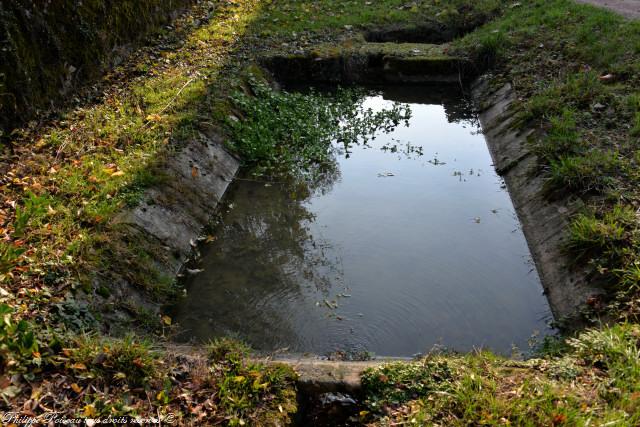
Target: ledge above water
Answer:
[[356, 61]]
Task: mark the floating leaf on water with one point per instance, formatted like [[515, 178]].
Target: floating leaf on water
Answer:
[[385, 174], [331, 305]]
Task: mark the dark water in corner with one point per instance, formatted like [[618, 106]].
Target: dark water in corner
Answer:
[[393, 252]]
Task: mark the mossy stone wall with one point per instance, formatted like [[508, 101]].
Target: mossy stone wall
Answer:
[[49, 47]]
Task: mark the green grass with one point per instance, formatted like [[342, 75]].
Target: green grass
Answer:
[[595, 381], [589, 234], [594, 171], [289, 19], [18, 343], [562, 137], [244, 386], [101, 157], [393, 384]]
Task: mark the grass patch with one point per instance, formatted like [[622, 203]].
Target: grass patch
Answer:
[[562, 137], [595, 381], [393, 384], [595, 171], [89, 376], [591, 235]]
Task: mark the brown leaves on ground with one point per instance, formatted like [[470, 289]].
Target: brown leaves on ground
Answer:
[[185, 388]]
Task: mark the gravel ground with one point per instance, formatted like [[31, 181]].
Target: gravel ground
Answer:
[[628, 8]]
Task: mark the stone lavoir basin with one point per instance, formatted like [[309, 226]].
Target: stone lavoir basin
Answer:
[[411, 241]]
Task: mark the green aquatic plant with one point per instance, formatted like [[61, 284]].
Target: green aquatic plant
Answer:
[[290, 133]]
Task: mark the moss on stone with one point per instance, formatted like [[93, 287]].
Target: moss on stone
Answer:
[[47, 51]]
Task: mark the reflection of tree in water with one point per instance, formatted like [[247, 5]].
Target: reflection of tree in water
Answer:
[[264, 258], [266, 263], [323, 177], [457, 105]]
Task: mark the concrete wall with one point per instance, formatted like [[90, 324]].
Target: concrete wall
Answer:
[[544, 221]]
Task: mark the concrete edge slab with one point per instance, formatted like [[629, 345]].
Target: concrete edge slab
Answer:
[[544, 222]]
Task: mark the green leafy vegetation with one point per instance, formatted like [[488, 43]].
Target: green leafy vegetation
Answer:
[[245, 386], [18, 344], [393, 384], [91, 376], [293, 132]]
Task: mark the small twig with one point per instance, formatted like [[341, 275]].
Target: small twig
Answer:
[[176, 96], [460, 77], [260, 181], [166, 107], [60, 150]]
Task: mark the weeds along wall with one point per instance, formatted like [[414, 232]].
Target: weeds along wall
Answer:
[[49, 47]]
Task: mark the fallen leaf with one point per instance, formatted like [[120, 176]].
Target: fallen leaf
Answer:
[[10, 392], [41, 143], [89, 411], [559, 419]]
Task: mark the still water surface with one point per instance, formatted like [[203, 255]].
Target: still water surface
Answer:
[[396, 250]]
